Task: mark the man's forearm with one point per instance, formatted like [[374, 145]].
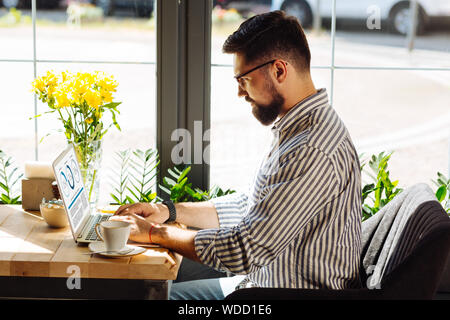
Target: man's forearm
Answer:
[[176, 239], [201, 215]]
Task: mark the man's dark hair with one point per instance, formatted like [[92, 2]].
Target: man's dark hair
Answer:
[[272, 35]]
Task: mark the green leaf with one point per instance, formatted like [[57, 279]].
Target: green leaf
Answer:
[[115, 198], [384, 189], [173, 173], [442, 176], [164, 189], [8, 162], [115, 120], [111, 105], [169, 182], [129, 200], [183, 182], [441, 193], [135, 196], [184, 173], [9, 176], [5, 199], [42, 139], [4, 187], [191, 192], [13, 183], [368, 188]]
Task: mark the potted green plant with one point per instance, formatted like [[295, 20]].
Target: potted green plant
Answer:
[[9, 176]]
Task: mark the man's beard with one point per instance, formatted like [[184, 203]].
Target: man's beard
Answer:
[[267, 114]]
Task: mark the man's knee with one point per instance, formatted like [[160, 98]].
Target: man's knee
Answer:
[[206, 289], [191, 270]]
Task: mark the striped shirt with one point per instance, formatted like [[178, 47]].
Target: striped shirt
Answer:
[[300, 225]]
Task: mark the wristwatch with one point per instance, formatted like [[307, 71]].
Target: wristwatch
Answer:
[[172, 211]]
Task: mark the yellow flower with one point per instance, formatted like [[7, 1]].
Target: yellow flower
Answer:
[[78, 89], [84, 93], [106, 95], [105, 83], [93, 98], [50, 91], [47, 84], [65, 76], [50, 79], [61, 98], [39, 84], [86, 79]]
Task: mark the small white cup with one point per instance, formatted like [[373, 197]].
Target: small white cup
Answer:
[[113, 233]]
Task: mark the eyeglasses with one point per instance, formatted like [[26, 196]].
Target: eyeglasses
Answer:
[[239, 76]]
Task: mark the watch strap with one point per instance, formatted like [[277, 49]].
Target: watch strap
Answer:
[[172, 211]]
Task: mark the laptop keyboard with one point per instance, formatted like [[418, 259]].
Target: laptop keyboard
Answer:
[[92, 235]]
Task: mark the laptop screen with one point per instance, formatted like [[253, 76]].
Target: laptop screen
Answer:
[[71, 187]]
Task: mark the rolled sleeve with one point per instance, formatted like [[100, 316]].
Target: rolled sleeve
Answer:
[[230, 208]]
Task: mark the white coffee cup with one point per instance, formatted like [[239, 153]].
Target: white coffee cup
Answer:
[[113, 233]]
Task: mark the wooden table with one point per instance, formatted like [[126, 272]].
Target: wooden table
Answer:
[[43, 262]]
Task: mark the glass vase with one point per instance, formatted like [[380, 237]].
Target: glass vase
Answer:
[[89, 156]]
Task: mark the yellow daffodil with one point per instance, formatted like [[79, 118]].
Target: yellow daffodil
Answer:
[[65, 76], [79, 87], [51, 81], [106, 83], [61, 98], [39, 84], [86, 79], [106, 95], [84, 95], [93, 98]]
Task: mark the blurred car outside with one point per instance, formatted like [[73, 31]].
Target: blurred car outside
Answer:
[[396, 13], [142, 8], [26, 4]]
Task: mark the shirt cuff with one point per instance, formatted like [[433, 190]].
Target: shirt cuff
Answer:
[[230, 209]]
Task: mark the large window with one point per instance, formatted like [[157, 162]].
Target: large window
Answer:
[[120, 41], [390, 89]]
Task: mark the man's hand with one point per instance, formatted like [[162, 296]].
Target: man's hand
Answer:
[[139, 227], [171, 237], [157, 213], [202, 215]]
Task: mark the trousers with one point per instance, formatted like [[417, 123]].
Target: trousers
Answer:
[[196, 281]]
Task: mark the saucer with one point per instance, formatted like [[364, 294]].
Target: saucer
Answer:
[[100, 246]]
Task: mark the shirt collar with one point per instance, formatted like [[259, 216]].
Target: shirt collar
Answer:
[[301, 109]]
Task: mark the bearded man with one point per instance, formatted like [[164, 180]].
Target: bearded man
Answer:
[[300, 226]]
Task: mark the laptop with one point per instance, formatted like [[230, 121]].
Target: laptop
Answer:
[[82, 219]]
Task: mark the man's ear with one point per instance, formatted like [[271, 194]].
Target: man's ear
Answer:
[[281, 70]]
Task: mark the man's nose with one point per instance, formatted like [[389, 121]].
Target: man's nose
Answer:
[[241, 92]]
